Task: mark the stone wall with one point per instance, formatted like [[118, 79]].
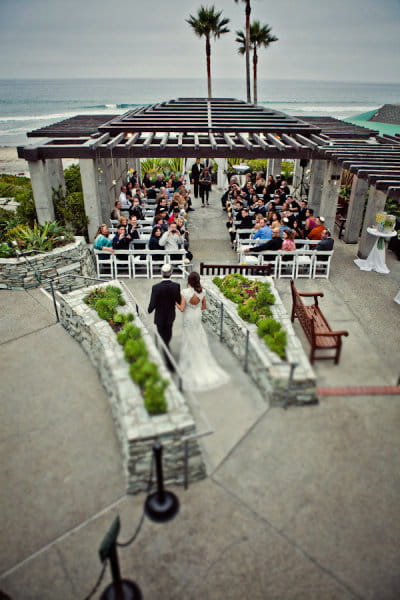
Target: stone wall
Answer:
[[137, 431], [269, 372], [70, 260]]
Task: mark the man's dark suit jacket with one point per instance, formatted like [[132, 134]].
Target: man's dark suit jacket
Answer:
[[162, 300], [196, 170], [274, 244]]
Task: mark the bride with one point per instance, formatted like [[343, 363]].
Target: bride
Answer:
[[199, 369]]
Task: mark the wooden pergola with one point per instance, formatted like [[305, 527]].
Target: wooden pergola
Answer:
[[218, 128]]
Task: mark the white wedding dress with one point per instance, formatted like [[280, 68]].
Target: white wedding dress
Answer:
[[200, 371]]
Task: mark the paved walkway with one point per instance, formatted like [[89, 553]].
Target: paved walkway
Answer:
[[299, 504]]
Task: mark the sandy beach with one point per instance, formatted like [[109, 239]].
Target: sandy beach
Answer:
[[10, 163]]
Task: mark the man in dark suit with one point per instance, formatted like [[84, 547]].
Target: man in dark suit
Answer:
[[164, 295], [326, 242], [195, 176]]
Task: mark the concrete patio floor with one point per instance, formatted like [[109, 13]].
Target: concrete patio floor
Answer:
[[299, 504]]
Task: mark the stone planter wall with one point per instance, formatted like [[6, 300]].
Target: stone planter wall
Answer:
[[269, 372], [71, 260], [137, 431]]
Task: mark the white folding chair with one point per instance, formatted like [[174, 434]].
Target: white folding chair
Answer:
[[287, 264], [140, 263], [156, 258], [322, 264], [104, 265], [304, 264], [270, 257], [122, 264], [177, 260]]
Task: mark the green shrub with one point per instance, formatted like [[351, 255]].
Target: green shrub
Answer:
[[5, 250], [73, 181], [106, 307], [134, 349], [128, 332], [154, 398], [144, 372], [254, 299]]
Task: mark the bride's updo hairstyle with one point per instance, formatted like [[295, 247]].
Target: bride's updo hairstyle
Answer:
[[194, 281]]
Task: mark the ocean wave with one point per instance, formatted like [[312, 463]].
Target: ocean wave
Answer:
[[112, 106]]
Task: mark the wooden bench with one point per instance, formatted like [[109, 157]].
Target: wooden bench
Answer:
[[227, 269], [315, 325]]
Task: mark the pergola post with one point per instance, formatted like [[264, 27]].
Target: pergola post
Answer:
[[359, 190], [330, 193], [105, 187], [89, 176], [55, 174], [41, 190], [376, 203], [276, 166], [222, 178], [318, 176], [297, 172]]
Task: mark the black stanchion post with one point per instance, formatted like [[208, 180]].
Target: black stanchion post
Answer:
[[221, 326], [119, 589], [161, 506], [54, 300]]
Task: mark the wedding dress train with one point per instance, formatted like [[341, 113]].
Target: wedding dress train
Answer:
[[200, 371]]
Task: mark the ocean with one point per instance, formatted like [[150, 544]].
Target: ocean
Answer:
[[27, 104]]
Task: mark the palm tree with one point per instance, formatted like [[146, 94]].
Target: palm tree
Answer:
[[208, 23], [259, 36], [247, 47]]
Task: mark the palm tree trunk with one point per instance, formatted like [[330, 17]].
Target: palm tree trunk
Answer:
[[248, 11], [255, 61], [208, 55]]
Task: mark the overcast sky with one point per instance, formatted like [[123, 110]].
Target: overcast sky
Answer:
[[342, 40]]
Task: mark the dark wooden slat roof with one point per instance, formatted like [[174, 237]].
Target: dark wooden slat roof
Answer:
[[80, 125], [336, 129]]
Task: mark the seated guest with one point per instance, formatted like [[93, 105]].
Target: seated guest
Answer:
[[123, 221], [262, 231], [270, 186], [123, 198], [132, 229], [101, 241], [129, 191], [293, 204], [152, 192], [133, 179], [121, 240], [135, 209], [154, 241], [288, 241], [273, 244], [316, 232], [173, 240], [297, 230], [160, 182], [311, 221], [284, 188], [160, 220], [302, 212], [146, 181], [326, 242], [284, 226], [116, 211]]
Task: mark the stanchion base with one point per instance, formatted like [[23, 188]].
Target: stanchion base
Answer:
[[130, 591], [160, 512]]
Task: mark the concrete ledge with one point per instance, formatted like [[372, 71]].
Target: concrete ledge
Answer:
[[72, 259], [136, 429], [269, 372]]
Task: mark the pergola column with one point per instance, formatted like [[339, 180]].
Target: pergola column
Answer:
[[55, 174], [89, 176], [222, 179], [318, 176], [297, 172], [276, 166], [359, 190], [376, 203], [120, 173], [41, 190], [105, 187], [330, 193]]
